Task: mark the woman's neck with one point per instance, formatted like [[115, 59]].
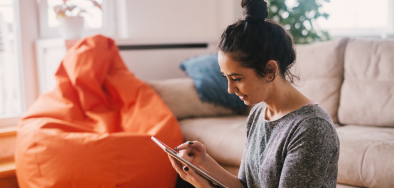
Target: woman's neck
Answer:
[[284, 98]]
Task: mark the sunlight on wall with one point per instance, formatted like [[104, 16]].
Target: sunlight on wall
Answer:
[[356, 14]]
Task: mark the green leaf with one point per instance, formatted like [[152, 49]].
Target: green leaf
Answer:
[[299, 14]]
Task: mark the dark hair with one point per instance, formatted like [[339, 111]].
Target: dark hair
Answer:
[[253, 41]]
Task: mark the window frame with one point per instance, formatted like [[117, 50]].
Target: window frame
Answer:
[[108, 21], [26, 33]]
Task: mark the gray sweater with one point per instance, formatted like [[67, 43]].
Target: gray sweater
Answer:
[[301, 149]]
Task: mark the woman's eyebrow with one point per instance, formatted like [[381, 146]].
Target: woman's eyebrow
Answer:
[[234, 74]]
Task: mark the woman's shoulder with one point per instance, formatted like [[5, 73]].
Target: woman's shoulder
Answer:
[[315, 112], [314, 120]]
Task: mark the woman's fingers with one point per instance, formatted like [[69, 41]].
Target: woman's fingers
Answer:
[[197, 177], [186, 154], [181, 169], [177, 166], [188, 174], [192, 151], [187, 150], [193, 144], [182, 146], [191, 173]]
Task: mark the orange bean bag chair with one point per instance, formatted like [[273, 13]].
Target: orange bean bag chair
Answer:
[[94, 128]]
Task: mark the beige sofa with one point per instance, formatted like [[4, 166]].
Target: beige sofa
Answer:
[[352, 79]]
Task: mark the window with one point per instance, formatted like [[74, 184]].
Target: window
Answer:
[[96, 20], [358, 17], [10, 70], [18, 82]]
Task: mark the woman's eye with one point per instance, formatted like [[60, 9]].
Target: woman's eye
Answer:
[[237, 80]]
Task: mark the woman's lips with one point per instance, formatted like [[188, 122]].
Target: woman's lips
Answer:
[[242, 97]]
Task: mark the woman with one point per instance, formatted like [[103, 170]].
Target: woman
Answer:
[[291, 141]]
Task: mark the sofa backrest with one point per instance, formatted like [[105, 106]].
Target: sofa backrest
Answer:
[[181, 97], [320, 68], [367, 96]]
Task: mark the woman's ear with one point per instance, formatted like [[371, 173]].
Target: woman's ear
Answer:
[[272, 68]]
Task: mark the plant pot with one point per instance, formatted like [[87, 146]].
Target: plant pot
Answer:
[[71, 27]]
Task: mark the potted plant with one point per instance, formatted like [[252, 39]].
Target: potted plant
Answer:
[[70, 18]]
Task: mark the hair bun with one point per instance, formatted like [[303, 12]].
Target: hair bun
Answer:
[[254, 10]]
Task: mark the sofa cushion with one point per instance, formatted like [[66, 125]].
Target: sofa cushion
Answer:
[[366, 156], [181, 97], [320, 68], [223, 137], [367, 96]]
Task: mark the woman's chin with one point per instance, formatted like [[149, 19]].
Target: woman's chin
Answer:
[[250, 103], [246, 102]]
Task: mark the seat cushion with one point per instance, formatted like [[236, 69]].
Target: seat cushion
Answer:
[[366, 156], [320, 68], [367, 95], [223, 137]]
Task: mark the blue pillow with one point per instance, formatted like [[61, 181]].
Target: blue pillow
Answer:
[[210, 84]]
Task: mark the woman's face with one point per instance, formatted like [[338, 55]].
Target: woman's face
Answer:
[[244, 82]]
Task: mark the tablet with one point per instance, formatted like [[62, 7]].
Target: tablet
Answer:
[[200, 171]]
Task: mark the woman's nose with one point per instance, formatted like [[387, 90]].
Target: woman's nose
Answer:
[[231, 87]]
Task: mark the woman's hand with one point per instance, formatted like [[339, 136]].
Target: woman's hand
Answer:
[[192, 151], [187, 174], [195, 153]]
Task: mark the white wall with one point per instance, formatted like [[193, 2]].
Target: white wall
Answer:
[[160, 64], [170, 21], [175, 18], [172, 18]]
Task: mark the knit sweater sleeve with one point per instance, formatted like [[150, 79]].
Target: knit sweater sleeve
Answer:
[[309, 150]]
